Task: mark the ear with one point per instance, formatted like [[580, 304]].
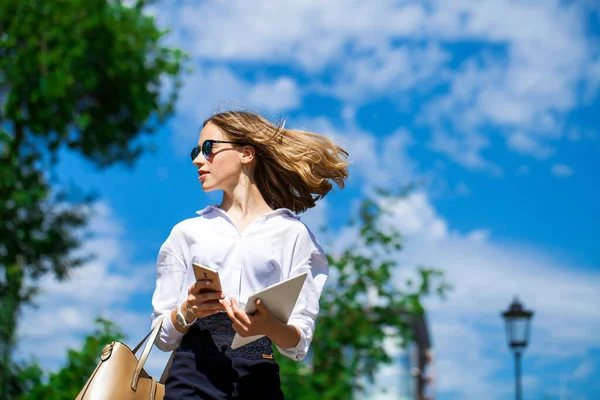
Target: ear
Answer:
[[248, 154]]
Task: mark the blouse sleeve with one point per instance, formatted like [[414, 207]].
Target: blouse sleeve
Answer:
[[308, 257], [170, 273]]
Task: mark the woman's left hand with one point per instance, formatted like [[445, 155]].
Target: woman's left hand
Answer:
[[259, 323]]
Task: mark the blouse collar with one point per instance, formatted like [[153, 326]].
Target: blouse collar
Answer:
[[265, 216]]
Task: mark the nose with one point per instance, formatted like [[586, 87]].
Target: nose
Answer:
[[199, 160]]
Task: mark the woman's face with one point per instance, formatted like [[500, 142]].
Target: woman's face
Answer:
[[222, 169]]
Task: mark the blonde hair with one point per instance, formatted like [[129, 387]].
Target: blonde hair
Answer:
[[294, 168]]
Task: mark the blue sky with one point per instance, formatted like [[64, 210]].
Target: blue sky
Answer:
[[492, 105]]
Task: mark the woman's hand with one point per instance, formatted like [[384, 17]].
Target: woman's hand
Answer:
[[202, 303], [259, 323]]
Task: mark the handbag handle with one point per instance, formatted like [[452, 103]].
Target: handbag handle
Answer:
[[151, 336]]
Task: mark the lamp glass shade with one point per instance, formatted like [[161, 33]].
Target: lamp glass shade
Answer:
[[517, 326], [517, 331]]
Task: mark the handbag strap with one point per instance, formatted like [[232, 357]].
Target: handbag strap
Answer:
[[143, 340], [151, 339], [165, 373]]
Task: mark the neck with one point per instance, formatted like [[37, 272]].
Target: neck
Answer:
[[244, 200]]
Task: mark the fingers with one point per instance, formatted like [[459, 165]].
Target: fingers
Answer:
[[205, 303], [199, 285], [240, 315], [209, 296], [207, 306], [263, 312], [240, 331], [261, 307], [204, 297], [241, 322], [228, 310]]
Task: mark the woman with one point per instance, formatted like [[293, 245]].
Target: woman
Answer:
[[253, 239]]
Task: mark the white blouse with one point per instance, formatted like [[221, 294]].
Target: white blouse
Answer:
[[276, 246]]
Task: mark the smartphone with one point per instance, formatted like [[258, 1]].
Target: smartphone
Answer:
[[203, 273]]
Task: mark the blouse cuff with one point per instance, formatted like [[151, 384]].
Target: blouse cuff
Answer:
[[169, 337], [298, 352]]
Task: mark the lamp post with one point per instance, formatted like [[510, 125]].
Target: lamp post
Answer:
[[517, 321]]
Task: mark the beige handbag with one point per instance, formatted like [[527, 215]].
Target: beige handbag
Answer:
[[120, 375]]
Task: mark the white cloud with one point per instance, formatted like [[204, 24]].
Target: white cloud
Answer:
[[529, 83], [562, 170], [574, 135], [593, 82], [214, 89], [527, 67], [462, 189], [527, 144], [389, 70], [281, 94], [584, 370], [311, 34], [465, 151]]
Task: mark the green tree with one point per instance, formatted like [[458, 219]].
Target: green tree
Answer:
[[82, 75], [361, 306], [66, 383]]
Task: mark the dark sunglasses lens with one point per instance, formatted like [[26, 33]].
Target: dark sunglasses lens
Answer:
[[207, 148], [194, 153]]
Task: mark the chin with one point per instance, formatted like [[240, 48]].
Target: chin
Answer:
[[208, 188]]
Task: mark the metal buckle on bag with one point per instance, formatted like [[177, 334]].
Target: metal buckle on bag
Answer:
[[106, 352]]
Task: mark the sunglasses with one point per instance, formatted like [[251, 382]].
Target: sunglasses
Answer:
[[207, 148]]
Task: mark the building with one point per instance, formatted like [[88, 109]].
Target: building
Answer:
[[410, 376]]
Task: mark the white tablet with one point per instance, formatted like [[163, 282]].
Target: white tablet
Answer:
[[279, 298]]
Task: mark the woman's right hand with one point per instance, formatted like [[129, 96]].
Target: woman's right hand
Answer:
[[203, 303]]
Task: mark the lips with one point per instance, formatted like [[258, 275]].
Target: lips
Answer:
[[202, 174]]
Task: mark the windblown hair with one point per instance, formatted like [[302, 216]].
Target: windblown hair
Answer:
[[294, 168]]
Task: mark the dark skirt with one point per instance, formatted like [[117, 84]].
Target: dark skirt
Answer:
[[205, 366]]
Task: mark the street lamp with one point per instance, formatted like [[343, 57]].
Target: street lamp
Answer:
[[517, 321]]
